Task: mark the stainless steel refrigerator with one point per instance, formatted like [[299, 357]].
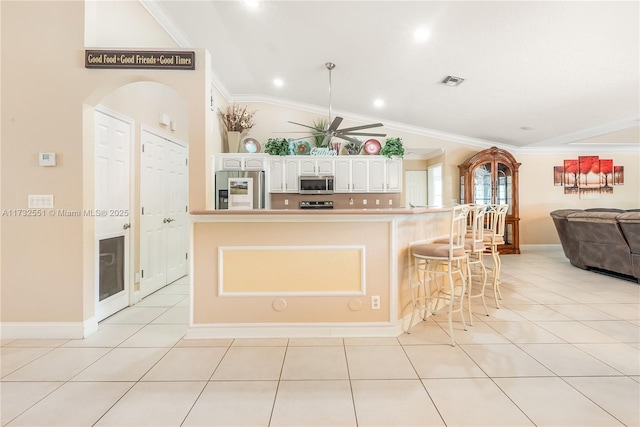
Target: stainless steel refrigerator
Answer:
[[222, 187]]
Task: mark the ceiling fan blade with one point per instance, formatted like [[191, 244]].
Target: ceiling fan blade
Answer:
[[335, 123], [307, 126], [361, 133], [373, 125], [326, 140]]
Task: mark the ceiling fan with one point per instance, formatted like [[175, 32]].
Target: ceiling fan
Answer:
[[333, 130]]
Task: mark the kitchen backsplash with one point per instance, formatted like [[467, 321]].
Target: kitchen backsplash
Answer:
[[340, 200]]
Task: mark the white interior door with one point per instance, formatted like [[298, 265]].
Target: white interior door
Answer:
[[152, 216], [416, 185], [163, 219], [177, 207], [112, 215]]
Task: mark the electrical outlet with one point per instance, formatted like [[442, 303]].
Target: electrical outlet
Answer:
[[286, 202], [375, 302], [351, 200], [390, 202], [364, 201], [377, 202]]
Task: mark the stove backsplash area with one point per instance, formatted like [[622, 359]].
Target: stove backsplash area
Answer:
[[340, 200]]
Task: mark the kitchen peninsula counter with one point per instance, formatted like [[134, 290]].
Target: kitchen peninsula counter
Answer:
[[305, 272], [296, 211]]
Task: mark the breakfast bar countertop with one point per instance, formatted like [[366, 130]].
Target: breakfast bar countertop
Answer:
[[378, 211]]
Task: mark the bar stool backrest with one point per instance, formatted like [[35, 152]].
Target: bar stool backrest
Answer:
[[475, 226], [494, 220], [459, 214]]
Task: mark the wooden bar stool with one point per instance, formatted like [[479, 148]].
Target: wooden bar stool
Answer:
[[441, 260]]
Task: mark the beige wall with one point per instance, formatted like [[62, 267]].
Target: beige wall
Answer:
[[47, 106], [538, 195]]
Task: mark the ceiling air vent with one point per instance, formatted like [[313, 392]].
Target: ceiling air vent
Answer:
[[452, 81]]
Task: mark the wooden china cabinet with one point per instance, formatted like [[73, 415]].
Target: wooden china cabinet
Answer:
[[491, 177]]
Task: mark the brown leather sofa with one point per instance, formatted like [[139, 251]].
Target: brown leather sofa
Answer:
[[603, 240]]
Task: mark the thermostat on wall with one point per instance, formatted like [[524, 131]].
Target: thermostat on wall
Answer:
[[47, 159]]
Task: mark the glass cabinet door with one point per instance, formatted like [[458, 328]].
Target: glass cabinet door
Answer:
[[504, 193], [482, 184]]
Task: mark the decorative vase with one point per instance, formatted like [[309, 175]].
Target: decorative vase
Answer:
[[233, 141]]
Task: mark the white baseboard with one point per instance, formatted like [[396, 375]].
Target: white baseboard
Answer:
[[290, 330], [533, 248], [48, 330]]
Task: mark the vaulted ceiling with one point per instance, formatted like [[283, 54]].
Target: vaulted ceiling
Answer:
[[536, 73]]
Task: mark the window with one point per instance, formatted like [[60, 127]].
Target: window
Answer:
[[434, 185]]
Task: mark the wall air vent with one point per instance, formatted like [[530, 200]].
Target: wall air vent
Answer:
[[452, 81]]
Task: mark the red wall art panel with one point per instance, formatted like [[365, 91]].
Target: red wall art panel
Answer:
[[588, 176]]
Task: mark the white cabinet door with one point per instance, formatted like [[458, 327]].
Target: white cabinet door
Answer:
[[308, 166], [276, 174], [359, 175], [342, 182], [377, 175], [254, 164], [326, 166], [394, 175], [235, 162], [291, 172], [231, 163]]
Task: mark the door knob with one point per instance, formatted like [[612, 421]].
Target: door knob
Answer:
[[165, 220], [126, 226], [170, 219]]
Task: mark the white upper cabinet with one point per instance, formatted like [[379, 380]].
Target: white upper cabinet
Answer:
[[313, 165], [377, 175], [394, 175], [283, 174], [353, 174], [242, 162], [276, 174]]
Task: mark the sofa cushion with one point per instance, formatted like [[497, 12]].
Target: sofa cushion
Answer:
[[630, 225], [567, 239], [601, 243]]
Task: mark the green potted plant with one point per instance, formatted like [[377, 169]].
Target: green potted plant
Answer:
[[353, 147], [321, 125], [277, 147], [393, 148]]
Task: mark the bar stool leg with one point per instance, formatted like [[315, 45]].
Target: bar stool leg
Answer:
[[496, 275]]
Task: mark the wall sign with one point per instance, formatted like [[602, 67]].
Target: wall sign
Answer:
[[168, 60]]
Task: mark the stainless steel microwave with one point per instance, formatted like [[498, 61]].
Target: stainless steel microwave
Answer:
[[315, 184]]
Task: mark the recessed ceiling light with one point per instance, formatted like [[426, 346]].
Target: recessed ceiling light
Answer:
[[251, 4], [420, 35], [278, 82], [526, 128], [452, 81], [378, 103]]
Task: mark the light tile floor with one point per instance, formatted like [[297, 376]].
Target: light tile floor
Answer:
[[564, 350]]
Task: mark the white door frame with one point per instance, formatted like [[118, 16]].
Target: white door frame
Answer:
[[129, 242]]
